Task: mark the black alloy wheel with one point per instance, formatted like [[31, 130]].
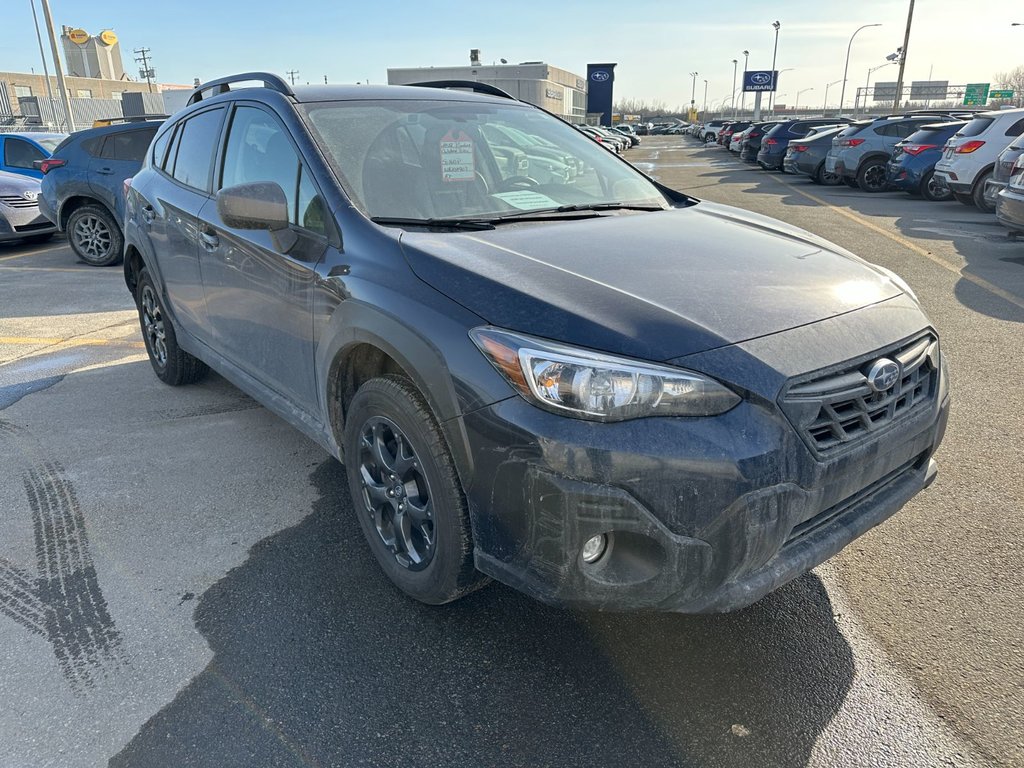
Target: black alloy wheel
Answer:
[[872, 176], [171, 364], [932, 190], [396, 493]]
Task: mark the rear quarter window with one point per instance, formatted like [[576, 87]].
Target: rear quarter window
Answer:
[[977, 126], [127, 145], [197, 144], [1016, 129]]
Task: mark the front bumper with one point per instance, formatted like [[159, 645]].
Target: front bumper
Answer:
[[701, 514], [18, 223]]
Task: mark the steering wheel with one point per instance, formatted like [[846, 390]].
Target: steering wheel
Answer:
[[517, 182]]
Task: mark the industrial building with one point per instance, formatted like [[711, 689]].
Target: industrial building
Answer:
[[557, 90], [87, 55]]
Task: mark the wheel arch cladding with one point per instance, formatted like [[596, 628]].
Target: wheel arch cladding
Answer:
[[75, 202]]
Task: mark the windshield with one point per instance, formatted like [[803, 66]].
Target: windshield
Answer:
[[454, 159]]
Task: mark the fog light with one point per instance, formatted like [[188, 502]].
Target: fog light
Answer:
[[594, 548]]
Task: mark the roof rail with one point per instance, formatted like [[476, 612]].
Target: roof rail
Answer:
[[472, 85], [269, 80]]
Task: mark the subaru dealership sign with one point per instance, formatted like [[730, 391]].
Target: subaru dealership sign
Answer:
[[760, 80]]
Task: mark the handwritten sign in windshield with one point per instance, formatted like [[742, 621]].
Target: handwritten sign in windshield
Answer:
[[457, 156]]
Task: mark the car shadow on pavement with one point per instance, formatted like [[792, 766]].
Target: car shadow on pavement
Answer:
[[319, 661]]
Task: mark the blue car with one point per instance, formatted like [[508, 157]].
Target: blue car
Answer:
[[19, 152], [773, 147], [912, 165], [83, 187]]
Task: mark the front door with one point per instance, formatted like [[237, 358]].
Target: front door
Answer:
[[259, 299]]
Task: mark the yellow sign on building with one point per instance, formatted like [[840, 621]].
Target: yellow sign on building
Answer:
[[78, 36], [107, 37]]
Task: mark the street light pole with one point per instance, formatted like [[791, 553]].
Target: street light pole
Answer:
[[743, 94], [846, 68], [775, 50], [734, 63], [693, 92], [796, 106], [827, 86], [59, 66], [903, 58], [867, 83], [705, 99]]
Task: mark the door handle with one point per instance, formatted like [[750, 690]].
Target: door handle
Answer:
[[209, 239], [105, 171]]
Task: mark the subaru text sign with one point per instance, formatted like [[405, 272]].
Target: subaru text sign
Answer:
[[760, 80]]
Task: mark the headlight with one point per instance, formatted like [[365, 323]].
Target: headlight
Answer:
[[590, 385], [899, 281]]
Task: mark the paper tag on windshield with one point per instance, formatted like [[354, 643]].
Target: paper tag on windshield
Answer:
[[526, 200], [457, 156]]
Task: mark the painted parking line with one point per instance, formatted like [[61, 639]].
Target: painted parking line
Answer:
[[30, 340], [34, 252], [908, 244]]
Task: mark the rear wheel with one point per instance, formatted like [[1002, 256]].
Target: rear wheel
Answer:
[[872, 176], [981, 199], [406, 493], [94, 236], [171, 363], [932, 190], [821, 176]]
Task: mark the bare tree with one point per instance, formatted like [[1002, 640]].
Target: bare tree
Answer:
[[1013, 81]]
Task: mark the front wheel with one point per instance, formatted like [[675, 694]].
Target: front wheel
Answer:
[[94, 236], [827, 178], [406, 493], [872, 176], [171, 363]]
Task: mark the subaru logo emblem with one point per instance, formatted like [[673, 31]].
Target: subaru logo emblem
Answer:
[[599, 75], [30, 195], [883, 375], [760, 78]]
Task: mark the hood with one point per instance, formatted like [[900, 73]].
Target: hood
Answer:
[[17, 184], [656, 285]]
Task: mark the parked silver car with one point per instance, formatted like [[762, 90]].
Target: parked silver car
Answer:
[[20, 218]]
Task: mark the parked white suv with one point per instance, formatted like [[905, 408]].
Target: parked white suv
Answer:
[[971, 153]]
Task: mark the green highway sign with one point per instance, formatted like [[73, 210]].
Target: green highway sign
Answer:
[[976, 94], [1000, 94]]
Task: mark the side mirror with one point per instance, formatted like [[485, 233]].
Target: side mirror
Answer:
[[258, 205]]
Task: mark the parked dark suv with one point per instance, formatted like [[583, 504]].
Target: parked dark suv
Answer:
[[601, 391], [83, 186], [775, 142]]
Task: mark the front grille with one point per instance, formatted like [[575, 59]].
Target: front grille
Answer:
[[837, 408], [17, 201]]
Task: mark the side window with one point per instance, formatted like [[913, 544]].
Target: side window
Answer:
[[196, 148], [172, 152], [259, 150], [1016, 129], [21, 154], [887, 129], [127, 145], [160, 148]]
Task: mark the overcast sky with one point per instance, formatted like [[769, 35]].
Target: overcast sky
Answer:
[[656, 43]]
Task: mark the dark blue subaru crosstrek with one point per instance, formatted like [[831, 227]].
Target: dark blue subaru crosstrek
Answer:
[[912, 165], [600, 391]]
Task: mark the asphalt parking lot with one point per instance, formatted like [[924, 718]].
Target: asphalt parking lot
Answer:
[[182, 581]]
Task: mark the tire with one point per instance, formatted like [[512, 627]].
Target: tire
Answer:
[[978, 195], [871, 177], [38, 239], [960, 197], [932, 191], [851, 183], [431, 560], [821, 176], [172, 364], [94, 236]]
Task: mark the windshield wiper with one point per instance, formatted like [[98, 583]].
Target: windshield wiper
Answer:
[[576, 211], [611, 207], [475, 224]]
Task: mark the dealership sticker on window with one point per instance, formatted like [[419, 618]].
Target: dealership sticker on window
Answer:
[[526, 200], [457, 156]]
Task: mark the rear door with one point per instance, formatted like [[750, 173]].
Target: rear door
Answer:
[[260, 299], [120, 156], [171, 206]]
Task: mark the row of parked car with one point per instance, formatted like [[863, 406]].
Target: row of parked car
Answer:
[[976, 158]]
